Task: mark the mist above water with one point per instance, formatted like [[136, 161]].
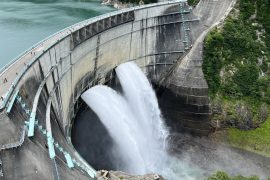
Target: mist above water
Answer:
[[134, 121]]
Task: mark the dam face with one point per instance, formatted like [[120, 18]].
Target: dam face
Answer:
[[40, 90]]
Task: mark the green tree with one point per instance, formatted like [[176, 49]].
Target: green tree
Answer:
[[193, 2], [213, 59], [224, 176], [246, 78]]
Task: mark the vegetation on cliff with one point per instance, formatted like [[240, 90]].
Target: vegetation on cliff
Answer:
[[237, 55], [193, 2], [223, 176], [237, 69]]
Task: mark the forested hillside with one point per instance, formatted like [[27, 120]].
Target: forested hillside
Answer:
[[237, 69]]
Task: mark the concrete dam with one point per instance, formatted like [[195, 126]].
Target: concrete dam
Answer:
[[40, 90]]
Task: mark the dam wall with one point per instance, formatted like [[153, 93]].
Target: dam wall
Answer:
[[40, 89], [184, 98]]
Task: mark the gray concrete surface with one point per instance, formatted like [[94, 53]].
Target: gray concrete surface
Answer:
[[60, 68], [186, 81], [85, 54]]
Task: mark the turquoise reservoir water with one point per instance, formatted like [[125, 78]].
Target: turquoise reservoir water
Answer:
[[25, 22]]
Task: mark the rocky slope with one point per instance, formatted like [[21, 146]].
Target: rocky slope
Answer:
[[118, 175]]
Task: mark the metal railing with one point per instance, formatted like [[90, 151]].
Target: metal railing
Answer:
[[62, 35], [83, 24], [71, 162]]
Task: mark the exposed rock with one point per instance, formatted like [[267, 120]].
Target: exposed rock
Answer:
[[118, 175], [237, 114], [216, 106], [217, 118], [118, 4], [263, 113], [244, 116]]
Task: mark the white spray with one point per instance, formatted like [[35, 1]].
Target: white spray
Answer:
[[115, 114], [134, 121]]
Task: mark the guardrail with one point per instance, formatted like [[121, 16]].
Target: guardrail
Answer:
[[70, 160], [63, 34], [84, 23]]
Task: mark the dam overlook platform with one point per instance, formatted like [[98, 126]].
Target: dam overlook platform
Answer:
[[40, 90]]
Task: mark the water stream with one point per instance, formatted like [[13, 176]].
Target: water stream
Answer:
[[134, 121]]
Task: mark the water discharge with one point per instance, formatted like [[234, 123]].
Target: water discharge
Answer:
[[115, 114], [134, 121]]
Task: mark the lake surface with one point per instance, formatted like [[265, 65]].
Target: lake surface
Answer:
[[23, 23]]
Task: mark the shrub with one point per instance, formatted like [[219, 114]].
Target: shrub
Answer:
[[193, 2], [246, 79], [213, 59], [224, 176]]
